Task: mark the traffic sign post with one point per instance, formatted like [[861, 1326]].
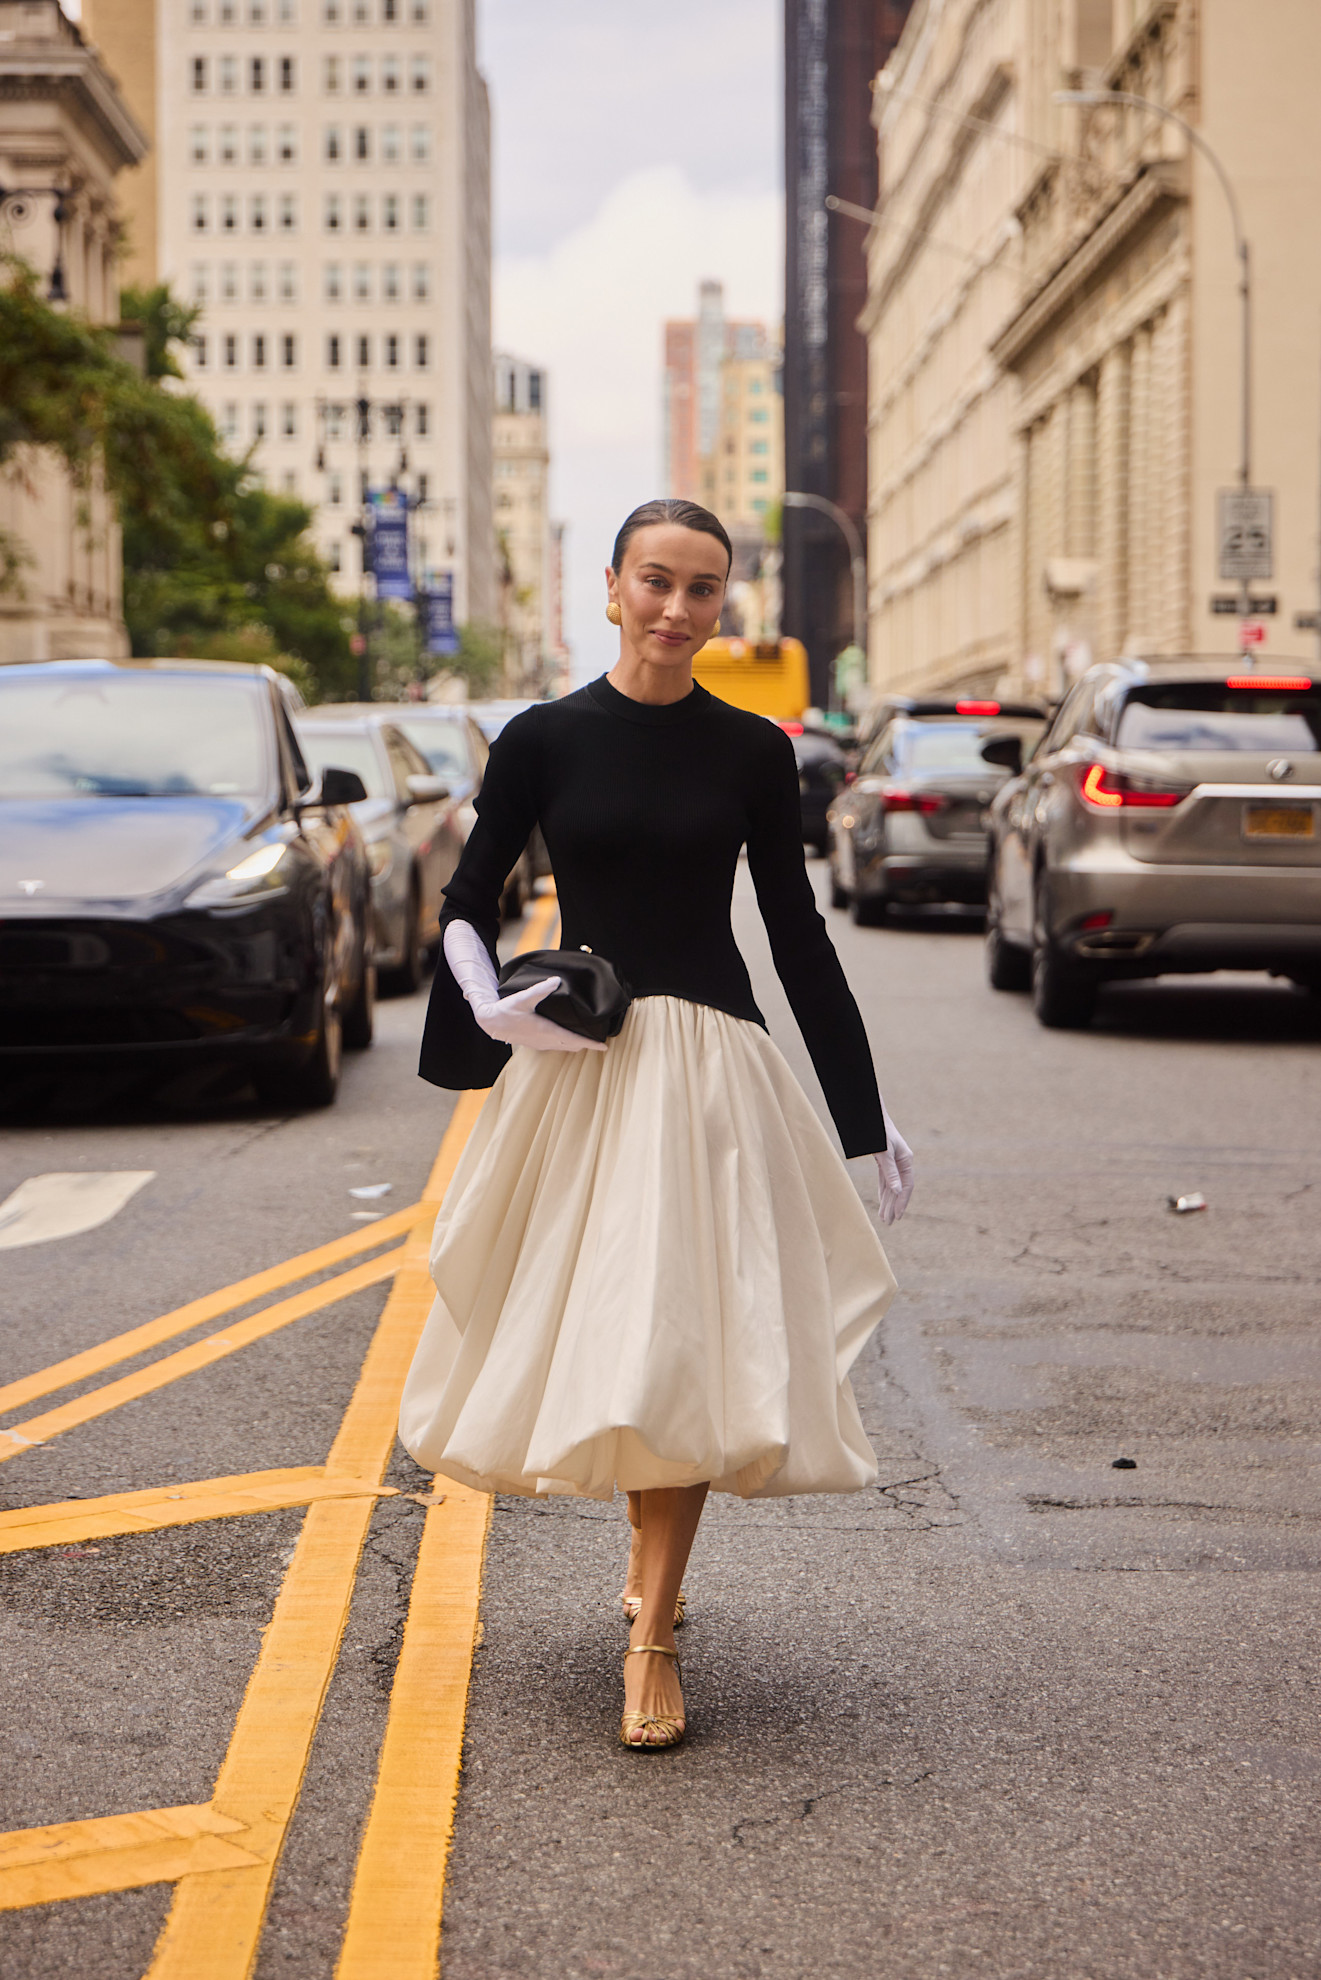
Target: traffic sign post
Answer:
[[1245, 533]]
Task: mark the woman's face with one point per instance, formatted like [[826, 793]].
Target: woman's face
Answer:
[[669, 592]]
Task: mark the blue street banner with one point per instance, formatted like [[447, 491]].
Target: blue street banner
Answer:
[[438, 603], [390, 544]]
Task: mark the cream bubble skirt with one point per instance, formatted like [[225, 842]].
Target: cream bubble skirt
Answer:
[[652, 1268]]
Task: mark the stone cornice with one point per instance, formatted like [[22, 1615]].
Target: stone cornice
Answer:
[[43, 74], [1159, 185]]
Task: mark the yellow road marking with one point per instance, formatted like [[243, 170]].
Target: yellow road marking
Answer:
[[122, 1347], [71, 1520], [185, 1361], [114, 1853], [393, 1930]]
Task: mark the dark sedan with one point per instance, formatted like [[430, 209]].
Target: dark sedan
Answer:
[[822, 766], [173, 879]]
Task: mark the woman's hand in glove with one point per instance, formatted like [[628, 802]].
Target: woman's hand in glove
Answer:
[[896, 1170], [513, 1020]]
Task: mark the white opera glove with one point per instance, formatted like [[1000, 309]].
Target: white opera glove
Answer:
[[896, 1170], [513, 1020]]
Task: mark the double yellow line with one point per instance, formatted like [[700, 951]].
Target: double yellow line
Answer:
[[223, 1854]]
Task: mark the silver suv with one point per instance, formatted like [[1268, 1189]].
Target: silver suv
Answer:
[[1169, 821]]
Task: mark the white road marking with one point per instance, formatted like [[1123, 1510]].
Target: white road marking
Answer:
[[64, 1205]]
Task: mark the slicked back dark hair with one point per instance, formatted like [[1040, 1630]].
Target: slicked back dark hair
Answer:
[[670, 509]]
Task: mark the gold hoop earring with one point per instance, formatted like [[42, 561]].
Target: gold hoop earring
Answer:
[[715, 629], [614, 614]]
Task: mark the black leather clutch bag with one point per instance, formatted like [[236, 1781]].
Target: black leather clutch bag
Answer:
[[592, 1000]]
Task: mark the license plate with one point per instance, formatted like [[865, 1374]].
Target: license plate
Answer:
[[1279, 821]]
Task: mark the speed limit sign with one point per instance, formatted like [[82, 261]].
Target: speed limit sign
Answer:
[[1245, 530]]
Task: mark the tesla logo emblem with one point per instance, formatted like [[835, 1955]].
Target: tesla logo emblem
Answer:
[[30, 886], [1280, 769]]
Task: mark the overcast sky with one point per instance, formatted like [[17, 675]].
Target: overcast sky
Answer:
[[637, 149]]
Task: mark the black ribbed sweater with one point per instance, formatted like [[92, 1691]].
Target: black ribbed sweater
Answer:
[[644, 812]]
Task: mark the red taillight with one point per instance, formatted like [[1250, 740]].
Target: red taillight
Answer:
[[976, 708], [792, 728], [1110, 790], [1290, 683], [1101, 919], [907, 801]]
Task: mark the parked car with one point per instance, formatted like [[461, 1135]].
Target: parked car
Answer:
[[822, 767], [1169, 821], [173, 878], [408, 818], [911, 827], [456, 750]]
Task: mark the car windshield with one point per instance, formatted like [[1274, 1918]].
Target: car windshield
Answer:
[[442, 743], [130, 734], [342, 749], [1197, 715], [955, 746]]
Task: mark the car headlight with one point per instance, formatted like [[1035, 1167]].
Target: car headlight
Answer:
[[250, 879], [380, 858]]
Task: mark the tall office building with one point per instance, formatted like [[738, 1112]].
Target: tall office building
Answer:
[[695, 349], [833, 50], [320, 187], [522, 523]]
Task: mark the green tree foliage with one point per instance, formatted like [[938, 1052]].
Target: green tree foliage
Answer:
[[208, 552]]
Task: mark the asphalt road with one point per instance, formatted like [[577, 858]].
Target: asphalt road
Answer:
[[1016, 1712]]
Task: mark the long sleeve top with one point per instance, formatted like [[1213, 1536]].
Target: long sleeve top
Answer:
[[645, 811]]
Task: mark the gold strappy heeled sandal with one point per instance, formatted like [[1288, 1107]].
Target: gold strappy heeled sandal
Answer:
[[670, 1731], [632, 1607]]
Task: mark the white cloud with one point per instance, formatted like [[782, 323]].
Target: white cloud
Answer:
[[590, 308]]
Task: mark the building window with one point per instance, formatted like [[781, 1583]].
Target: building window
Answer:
[[259, 420], [289, 350], [421, 281], [330, 75], [392, 353], [229, 214], [335, 491], [199, 13], [364, 353], [390, 213], [421, 12], [759, 505], [755, 385], [421, 213], [288, 75], [256, 144], [419, 74], [259, 351], [362, 74], [231, 350], [333, 557], [423, 490], [362, 213], [390, 146], [331, 285], [228, 149], [229, 74], [199, 353], [199, 75], [289, 420], [390, 281], [534, 391], [394, 421], [334, 213], [362, 142], [288, 213], [289, 281], [362, 13], [759, 447], [330, 12], [422, 420], [227, 13], [229, 420], [257, 282], [198, 282], [286, 12], [289, 482], [362, 281], [257, 74], [420, 145], [759, 474], [758, 416], [229, 281], [200, 213], [390, 75], [333, 148], [257, 13], [389, 10], [334, 422], [287, 146], [332, 353], [257, 213], [421, 352], [199, 144]]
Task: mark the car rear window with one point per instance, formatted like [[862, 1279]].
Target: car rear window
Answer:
[[444, 745], [956, 745], [132, 734], [340, 749], [1211, 715]]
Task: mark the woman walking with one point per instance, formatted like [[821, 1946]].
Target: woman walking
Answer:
[[653, 1271]]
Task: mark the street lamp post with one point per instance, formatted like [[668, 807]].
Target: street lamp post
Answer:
[[1089, 98], [795, 499]]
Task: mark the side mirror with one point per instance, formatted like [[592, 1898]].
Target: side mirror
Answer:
[[426, 790], [341, 787], [1006, 752]]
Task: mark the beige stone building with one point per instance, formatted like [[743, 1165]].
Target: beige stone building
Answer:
[[524, 549], [65, 132], [1054, 336], [322, 190]]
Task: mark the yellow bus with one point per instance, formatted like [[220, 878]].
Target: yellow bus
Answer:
[[766, 676]]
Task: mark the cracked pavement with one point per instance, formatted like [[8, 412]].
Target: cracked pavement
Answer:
[[1042, 1705]]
